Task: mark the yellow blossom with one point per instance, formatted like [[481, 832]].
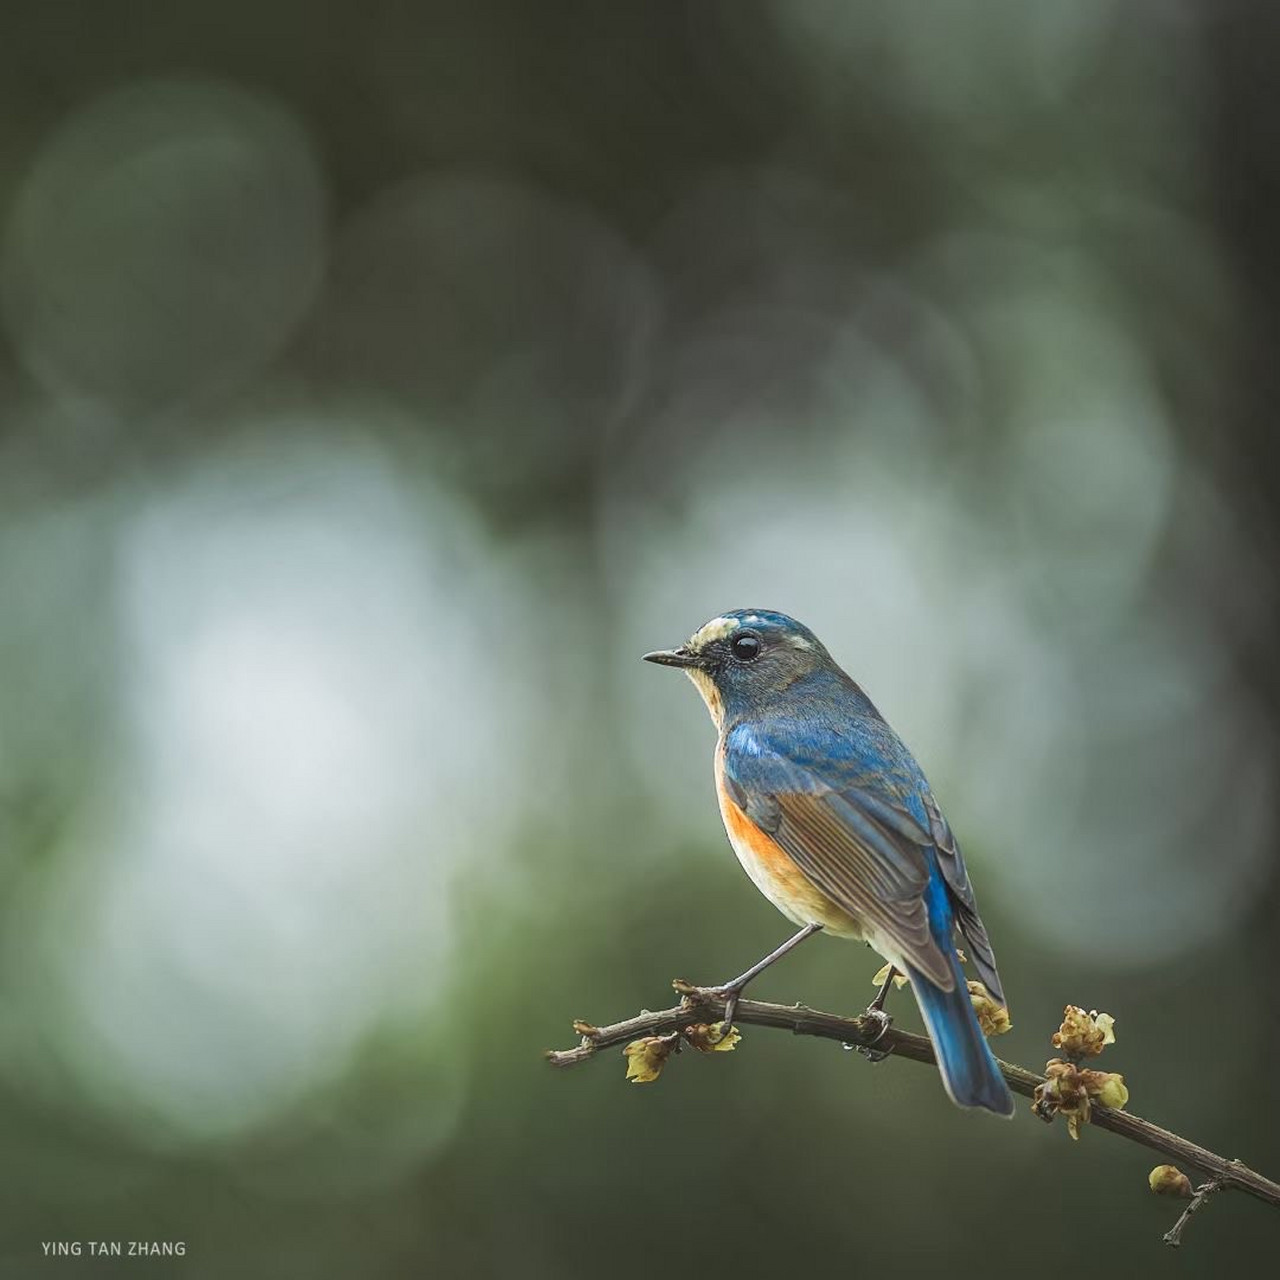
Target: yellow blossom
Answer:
[[1108, 1087], [646, 1057], [900, 979], [1063, 1093], [1083, 1035], [993, 1018], [713, 1038], [1169, 1180]]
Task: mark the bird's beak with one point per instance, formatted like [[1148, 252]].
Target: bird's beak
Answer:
[[672, 658]]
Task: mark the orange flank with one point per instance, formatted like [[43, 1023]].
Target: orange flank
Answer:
[[775, 874]]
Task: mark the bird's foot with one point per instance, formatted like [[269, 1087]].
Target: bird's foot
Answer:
[[877, 1023], [727, 992]]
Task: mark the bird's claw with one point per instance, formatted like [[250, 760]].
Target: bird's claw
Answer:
[[728, 994], [880, 1022], [730, 1008]]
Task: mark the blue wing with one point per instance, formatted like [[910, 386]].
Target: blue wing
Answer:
[[853, 811]]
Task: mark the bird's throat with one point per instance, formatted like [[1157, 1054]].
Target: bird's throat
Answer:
[[706, 686]]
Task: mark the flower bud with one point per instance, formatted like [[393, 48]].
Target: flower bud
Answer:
[[1169, 1180], [714, 1037]]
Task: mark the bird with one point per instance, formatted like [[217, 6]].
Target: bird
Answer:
[[834, 822]]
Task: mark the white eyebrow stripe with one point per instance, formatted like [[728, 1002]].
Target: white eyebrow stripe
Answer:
[[714, 630]]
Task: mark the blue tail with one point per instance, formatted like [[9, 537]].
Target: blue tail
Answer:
[[968, 1067]]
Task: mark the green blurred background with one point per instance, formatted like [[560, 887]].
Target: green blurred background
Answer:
[[379, 380]]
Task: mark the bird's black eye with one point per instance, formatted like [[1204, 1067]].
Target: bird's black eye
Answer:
[[745, 646]]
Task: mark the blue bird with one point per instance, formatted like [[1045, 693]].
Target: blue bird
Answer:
[[834, 822]]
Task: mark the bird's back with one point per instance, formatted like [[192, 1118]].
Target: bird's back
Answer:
[[833, 736]]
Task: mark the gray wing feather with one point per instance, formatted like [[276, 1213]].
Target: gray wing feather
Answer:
[[951, 861]]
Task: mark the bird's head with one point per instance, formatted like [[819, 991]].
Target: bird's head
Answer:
[[741, 660]]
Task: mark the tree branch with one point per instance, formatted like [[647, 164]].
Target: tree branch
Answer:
[[700, 1004]]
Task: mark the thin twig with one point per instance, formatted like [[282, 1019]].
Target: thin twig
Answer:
[[1173, 1237], [699, 1004]]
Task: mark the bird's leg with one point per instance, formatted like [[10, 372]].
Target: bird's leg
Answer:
[[730, 991], [877, 1005], [875, 1014]]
